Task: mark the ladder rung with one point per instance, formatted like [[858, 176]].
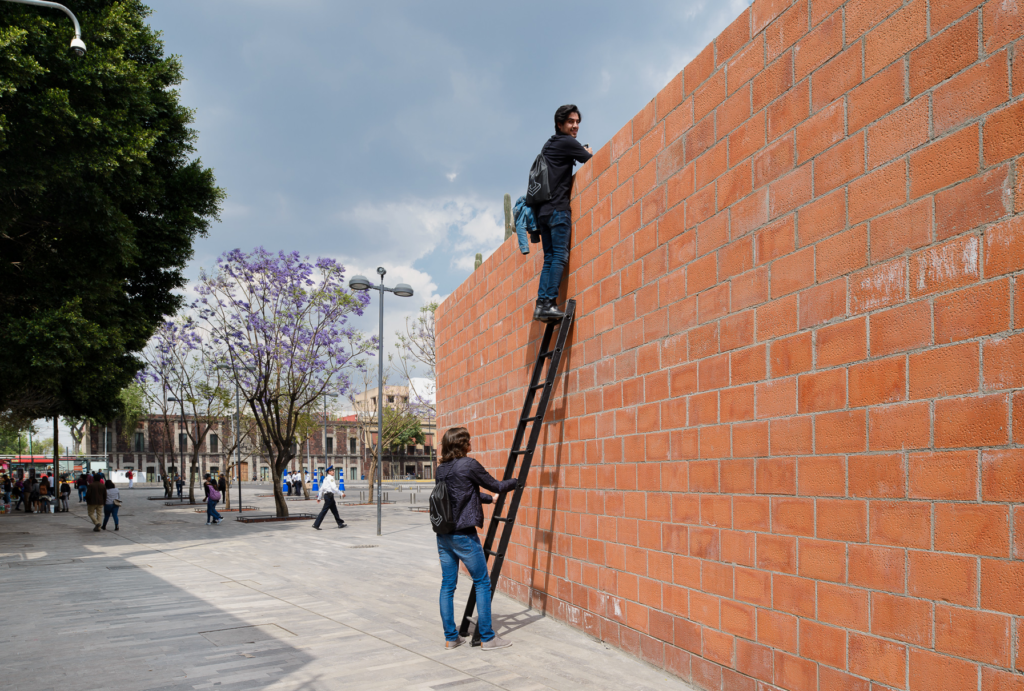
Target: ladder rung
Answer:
[[517, 453], [531, 418], [547, 353], [538, 386], [500, 555], [503, 519]]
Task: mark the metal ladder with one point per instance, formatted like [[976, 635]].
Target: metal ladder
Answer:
[[534, 418]]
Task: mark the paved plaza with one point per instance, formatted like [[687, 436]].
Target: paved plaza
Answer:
[[168, 602]]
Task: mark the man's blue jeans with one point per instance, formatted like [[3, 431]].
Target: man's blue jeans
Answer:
[[554, 238], [211, 510], [465, 548]]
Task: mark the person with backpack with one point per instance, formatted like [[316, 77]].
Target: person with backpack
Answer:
[[65, 492], [548, 195], [455, 514], [81, 485], [212, 497], [330, 492]]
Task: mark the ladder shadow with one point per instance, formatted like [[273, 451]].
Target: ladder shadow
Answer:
[[548, 474]]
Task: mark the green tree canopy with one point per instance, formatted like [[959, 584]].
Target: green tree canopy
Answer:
[[101, 197]]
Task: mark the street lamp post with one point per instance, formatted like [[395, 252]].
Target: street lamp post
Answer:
[[326, 396], [402, 290], [77, 44]]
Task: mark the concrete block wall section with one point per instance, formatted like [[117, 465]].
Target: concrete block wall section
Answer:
[[786, 449]]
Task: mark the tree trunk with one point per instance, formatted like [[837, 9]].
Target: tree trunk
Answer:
[[279, 502], [192, 472], [372, 477]]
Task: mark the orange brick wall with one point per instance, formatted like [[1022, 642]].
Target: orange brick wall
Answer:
[[785, 451]]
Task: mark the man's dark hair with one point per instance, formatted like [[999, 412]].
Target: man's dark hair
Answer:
[[563, 113]]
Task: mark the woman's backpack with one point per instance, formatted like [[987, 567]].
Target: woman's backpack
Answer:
[[214, 494], [442, 517]]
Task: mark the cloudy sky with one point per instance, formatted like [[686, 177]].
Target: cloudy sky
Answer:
[[386, 133]]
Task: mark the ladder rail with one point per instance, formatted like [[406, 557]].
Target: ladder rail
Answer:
[[536, 422]]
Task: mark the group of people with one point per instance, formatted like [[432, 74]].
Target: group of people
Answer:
[[214, 489], [295, 482], [102, 499], [34, 494]]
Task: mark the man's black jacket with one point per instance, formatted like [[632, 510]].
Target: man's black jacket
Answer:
[[465, 476]]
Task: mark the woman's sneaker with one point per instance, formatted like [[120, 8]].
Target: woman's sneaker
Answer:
[[495, 643], [448, 645]]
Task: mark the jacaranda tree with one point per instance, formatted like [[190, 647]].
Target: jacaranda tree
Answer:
[[282, 322]]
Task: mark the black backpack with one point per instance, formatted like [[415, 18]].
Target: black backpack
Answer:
[[442, 517], [538, 189]]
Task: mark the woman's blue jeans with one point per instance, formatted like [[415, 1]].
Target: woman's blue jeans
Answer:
[[554, 238], [108, 511], [211, 510], [465, 548]]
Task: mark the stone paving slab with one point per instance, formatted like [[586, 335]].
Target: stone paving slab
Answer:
[[169, 603]]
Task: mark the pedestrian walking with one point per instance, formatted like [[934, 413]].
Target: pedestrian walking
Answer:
[[81, 486], [19, 494], [180, 482], [131, 479], [464, 476], [65, 492], [95, 500], [330, 492], [33, 496], [8, 486], [111, 505], [212, 497], [222, 485]]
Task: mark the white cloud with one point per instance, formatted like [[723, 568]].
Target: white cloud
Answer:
[[451, 176]]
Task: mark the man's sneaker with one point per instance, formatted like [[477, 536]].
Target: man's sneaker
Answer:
[[495, 643], [538, 309], [448, 645], [96, 529], [550, 312], [316, 527]]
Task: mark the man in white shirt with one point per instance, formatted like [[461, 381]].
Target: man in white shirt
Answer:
[[330, 492]]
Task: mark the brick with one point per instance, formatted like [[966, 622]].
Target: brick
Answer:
[[879, 95], [944, 267], [897, 427], [842, 519], [900, 230], [777, 318], [775, 240], [792, 516], [1002, 475], [789, 110], [943, 578], [754, 660], [944, 371], [881, 381], [822, 217], [974, 635], [899, 329], [895, 36], [974, 421], [821, 390], [903, 618], [877, 476], [786, 30], [1004, 134], [901, 523], [843, 606], [931, 672], [944, 14], [881, 568], [777, 629], [795, 673], [1002, 23], [823, 560], [791, 355], [822, 303], [1001, 586], [862, 15], [791, 436], [877, 192], [793, 595], [792, 272], [972, 529], [877, 659], [837, 77], [898, 133], [823, 644], [774, 161], [996, 680], [708, 95], [748, 63], [841, 343], [1004, 247], [1004, 366], [840, 164], [944, 55], [944, 162], [747, 138], [841, 432], [818, 46], [944, 475], [775, 80], [976, 311], [748, 214], [972, 203], [820, 132]]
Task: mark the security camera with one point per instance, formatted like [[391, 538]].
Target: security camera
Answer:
[[78, 46]]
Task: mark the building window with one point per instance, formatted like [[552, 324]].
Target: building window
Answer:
[[330, 445], [352, 473], [108, 445], [391, 399], [352, 446], [214, 443], [140, 442], [182, 441]]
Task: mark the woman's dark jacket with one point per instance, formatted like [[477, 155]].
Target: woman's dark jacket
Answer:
[[465, 476]]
